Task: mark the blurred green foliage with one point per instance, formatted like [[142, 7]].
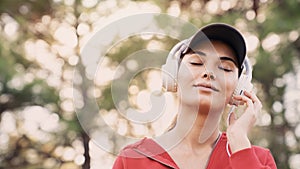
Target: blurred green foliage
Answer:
[[271, 17]]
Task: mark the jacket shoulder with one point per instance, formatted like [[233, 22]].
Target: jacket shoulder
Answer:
[[129, 151]]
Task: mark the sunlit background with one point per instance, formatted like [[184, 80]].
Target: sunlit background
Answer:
[[40, 50]]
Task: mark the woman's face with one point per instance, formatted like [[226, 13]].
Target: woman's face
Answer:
[[208, 75]]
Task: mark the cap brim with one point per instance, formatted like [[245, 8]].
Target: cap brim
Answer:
[[224, 33]]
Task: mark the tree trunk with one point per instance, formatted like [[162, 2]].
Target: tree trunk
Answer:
[[85, 140]]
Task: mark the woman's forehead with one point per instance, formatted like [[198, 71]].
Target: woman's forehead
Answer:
[[215, 47]]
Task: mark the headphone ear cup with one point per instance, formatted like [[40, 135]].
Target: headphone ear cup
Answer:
[[170, 69], [169, 75], [244, 83], [248, 86]]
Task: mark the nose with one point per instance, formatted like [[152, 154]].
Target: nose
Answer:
[[209, 75]]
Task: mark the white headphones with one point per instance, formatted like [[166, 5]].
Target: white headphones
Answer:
[[170, 70]]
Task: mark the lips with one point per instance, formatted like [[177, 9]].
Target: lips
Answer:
[[206, 86]]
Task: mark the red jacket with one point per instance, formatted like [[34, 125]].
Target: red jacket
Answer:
[[147, 154]]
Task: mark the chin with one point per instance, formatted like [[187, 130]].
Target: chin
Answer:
[[201, 103], [202, 100], [215, 104]]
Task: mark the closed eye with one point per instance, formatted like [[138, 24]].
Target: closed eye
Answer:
[[226, 69], [196, 63]]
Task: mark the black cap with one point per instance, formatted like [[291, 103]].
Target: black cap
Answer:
[[224, 33]]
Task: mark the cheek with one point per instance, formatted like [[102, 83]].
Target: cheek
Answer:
[[185, 74], [230, 86]]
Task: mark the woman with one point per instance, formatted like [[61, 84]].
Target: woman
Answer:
[[208, 67]]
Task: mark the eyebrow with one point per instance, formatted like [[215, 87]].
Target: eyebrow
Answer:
[[224, 58], [230, 59]]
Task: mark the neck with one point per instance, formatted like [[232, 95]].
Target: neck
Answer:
[[198, 128]]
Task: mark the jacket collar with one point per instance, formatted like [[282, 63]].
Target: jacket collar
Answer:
[[150, 149]]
